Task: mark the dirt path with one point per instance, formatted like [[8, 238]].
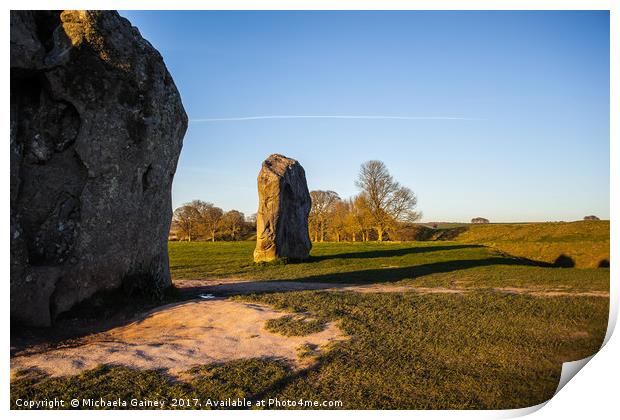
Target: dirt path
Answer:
[[236, 287], [177, 337], [232, 287]]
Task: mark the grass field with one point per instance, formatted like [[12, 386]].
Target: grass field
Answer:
[[585, 243], [497, 340], [344, 262]]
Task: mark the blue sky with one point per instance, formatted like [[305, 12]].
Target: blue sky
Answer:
[[530, 89]]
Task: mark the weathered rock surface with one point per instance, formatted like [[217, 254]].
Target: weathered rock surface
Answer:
[[97, 126], [283, 208]]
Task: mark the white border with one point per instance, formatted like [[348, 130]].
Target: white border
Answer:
[[593, 394]]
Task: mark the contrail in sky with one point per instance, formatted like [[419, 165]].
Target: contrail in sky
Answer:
[[331, 117]]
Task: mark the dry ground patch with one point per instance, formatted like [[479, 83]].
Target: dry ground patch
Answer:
[[178, 337]]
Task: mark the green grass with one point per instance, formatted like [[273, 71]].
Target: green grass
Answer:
[[337, 262], [237, 379], [294, 325], [248, 378], [107, 382], [586, 243], [477, 349]]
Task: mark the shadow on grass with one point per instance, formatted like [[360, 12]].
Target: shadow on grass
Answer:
[[76, 324], [346, 279], [101, 312], [603, 263], [277, 386], [386, 275], [564, 261], [383, 253]]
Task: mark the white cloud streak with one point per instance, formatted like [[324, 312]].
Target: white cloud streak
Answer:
[[329, 117]]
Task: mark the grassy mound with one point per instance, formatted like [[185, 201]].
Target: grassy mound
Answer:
[[583, 244]]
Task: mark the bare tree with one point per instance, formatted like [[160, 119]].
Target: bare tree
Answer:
[[338, 219], [250, 224], [388, 202], [187, 219], [479, 220], [360, 218], [322, 204], [209, 217], [174, 232], [232, 222], [313, 227]]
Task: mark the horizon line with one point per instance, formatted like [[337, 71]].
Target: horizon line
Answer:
[[341, 117]]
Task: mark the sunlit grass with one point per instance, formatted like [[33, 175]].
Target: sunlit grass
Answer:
[[479, 348], [234, 259], [586, 243], [291, 325]]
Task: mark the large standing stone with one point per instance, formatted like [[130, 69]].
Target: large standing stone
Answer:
[[283, 208], [97, 125]]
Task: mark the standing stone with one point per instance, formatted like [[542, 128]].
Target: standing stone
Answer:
[[283, 208], [97, 125]]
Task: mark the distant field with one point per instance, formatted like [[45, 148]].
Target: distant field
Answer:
[[586, 243], [448, 325]]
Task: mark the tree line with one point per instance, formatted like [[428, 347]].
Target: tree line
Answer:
[[199, 220], [383, 209]]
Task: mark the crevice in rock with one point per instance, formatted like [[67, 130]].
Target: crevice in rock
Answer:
[[44, 125], [51, 178], [53, 242], [53, 307], [47, 21], [145, 178]]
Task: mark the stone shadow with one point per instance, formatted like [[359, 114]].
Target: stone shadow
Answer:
[[345, 279], [386, 253], [564, 261], [388, 275]]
